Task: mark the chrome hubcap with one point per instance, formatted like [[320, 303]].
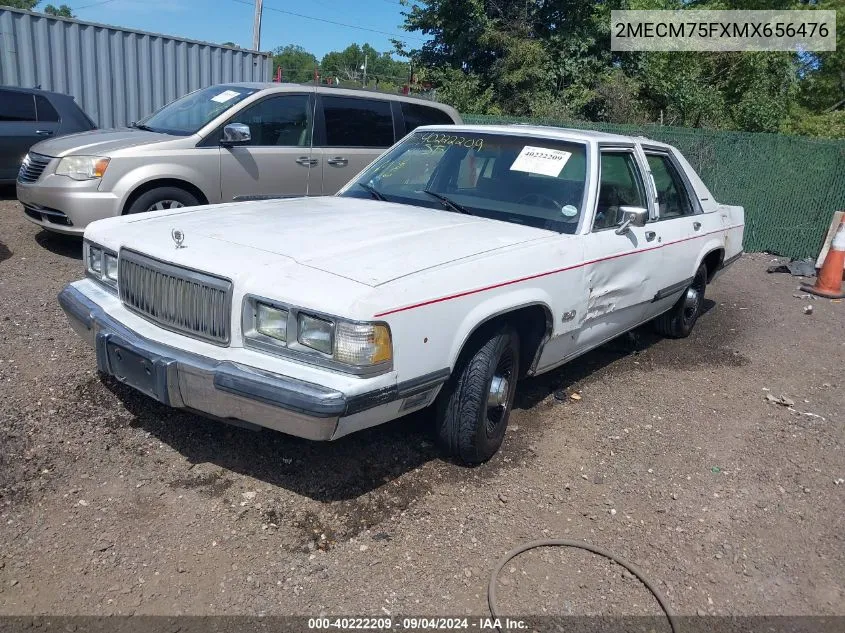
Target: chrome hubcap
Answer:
[[161, 205], [498, 394], [691, 300]]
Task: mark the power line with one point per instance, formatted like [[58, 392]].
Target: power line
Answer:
[[88, 6], [327, 21]]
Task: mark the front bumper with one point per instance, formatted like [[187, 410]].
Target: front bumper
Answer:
[[64, 205], [221, 389]]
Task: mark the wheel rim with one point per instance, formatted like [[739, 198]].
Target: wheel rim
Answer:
[[499, 392], [162, 205], [692, 299]]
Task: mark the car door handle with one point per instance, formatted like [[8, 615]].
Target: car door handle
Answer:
[[44, 132], [696, 225], [308, 162], [338, 161], [650, 235]]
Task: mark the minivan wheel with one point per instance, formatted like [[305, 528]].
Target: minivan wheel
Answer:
[[474, 406], [162, 198]]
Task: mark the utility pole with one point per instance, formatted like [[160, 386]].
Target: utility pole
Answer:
[[256, 25], [364, 68]]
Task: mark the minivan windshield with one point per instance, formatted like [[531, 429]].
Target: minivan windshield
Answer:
[[190, 113], [521, 179]]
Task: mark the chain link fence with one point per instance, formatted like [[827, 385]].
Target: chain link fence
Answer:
[[790, 186]]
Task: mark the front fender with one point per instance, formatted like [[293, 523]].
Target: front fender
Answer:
[[492, 307], [141, 175]]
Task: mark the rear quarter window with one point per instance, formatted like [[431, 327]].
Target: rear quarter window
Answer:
[[45, 110], [416, 115]]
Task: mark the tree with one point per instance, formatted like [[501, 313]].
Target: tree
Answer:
[[27, 5], [296, 63], [62, 11], [348, 65]]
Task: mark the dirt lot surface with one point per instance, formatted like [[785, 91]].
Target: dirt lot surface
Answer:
[[673, 458]]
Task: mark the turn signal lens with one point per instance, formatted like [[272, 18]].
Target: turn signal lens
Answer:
[[362, 344]]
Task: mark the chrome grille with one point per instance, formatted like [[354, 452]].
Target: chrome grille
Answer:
[[32, 167], [180, 299]]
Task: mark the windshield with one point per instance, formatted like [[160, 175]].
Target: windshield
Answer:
[[190, 113], [532, 181]]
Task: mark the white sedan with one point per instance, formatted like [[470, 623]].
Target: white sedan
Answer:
[[461, 260]]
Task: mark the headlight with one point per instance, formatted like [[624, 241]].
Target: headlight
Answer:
[[100, 264], [271, 321], [349, 346], [82, 167], [315, 333]]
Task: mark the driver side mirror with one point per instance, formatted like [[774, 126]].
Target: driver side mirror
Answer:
[[236, 134], [631, 216]]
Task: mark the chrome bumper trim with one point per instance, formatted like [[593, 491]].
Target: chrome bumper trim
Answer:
[[221, 389]]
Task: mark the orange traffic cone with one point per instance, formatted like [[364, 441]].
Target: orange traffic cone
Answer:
[[829, 281]]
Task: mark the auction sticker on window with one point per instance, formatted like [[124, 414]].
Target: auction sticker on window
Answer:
[[226, 95], [541, 160]]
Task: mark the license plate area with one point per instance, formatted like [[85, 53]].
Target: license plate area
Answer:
[[135, 370]]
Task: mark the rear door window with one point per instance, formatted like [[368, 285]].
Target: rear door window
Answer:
[[45, 109], [416, 115], [673, 200], [16, 106], [353, 122]]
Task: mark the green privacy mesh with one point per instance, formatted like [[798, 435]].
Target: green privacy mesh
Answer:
[[790, 186]]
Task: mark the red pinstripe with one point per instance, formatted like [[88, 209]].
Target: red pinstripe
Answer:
[[550, 272]]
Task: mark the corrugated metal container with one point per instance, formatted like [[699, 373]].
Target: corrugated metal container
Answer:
[[116, 75]]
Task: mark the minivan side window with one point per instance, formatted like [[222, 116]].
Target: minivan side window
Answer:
[[46, 111], [283, 121], [353, 122], [416, 115], [16, 106]]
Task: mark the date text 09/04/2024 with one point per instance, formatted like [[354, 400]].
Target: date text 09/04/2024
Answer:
[[416, 623]]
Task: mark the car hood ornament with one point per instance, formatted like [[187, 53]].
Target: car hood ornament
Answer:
[[178, 237]]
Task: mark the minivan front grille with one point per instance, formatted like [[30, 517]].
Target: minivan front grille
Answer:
[[32, 167], [177, 298]]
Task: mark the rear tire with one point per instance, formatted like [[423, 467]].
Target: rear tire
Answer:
[[678, 321], [162, 198], [474, 406]]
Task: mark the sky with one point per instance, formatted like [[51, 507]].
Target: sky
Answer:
[[221, 21]]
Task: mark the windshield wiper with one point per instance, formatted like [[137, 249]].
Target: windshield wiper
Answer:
[[141, 126], [375, 193], [448, 203]]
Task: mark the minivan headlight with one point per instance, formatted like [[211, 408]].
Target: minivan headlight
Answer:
[[82, 167], [100, 264], [362, 348]]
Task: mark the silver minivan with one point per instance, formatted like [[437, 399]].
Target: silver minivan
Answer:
[[231, 142]]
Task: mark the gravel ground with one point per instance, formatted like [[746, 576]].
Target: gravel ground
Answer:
[[673, 458]]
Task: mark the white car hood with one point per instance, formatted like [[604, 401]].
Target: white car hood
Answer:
[[367, 241]]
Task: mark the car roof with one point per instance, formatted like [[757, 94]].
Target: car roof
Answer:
[[547, 131], [36, 91], [323, 88]]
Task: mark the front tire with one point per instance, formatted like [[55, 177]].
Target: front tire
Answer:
[[162, 198], [679, 320], [474, 407]]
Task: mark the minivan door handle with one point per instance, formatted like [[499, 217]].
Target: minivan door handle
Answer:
[[338, 161], [307, 162], [44, 132]]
